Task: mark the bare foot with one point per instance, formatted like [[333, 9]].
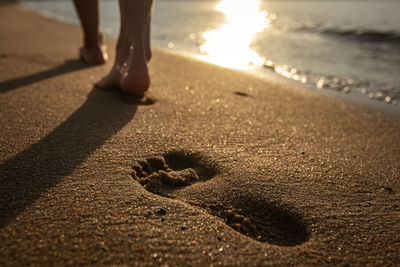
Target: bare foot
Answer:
[[94, 54], [130, 75]]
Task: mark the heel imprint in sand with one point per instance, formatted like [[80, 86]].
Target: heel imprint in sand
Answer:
[[257, 219]]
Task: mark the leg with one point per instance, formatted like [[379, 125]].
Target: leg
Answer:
[[93, 50], [147, 39], [130, 72]]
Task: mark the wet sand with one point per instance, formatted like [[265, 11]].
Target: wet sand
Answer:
[[245, 171]]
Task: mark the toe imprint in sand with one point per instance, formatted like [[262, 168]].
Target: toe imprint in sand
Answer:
[[172, 171], [257, 219]]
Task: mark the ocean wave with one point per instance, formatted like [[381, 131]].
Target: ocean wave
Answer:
[[382, 92], [365, 35], [357, 34]]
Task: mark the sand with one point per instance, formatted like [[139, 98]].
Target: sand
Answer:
[[260, 172]]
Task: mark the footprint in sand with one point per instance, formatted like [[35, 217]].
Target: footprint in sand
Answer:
[[250, 216]]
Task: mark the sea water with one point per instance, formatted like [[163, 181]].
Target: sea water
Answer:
[[349, 47]]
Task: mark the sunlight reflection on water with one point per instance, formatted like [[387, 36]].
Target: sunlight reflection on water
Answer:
[[230, 45]]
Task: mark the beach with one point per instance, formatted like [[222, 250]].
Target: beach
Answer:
[[249, 172], [349, 48]]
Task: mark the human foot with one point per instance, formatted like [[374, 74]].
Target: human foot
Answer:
[[94, 54], [130, 75]]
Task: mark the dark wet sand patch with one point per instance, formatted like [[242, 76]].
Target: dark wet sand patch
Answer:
[[241, 94]]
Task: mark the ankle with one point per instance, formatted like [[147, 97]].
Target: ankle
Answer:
[[92, 42]]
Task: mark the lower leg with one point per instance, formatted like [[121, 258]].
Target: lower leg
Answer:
[[93, 50], [125, 32], [147, 39], [130, 72]]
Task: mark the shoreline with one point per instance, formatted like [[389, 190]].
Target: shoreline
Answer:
[[261, 172], [392, 110]]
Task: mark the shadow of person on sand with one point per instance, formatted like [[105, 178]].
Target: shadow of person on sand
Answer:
[[27, 175], [69, 65]]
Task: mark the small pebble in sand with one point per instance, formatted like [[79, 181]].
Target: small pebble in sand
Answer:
[[161, 211], [388, 188]]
